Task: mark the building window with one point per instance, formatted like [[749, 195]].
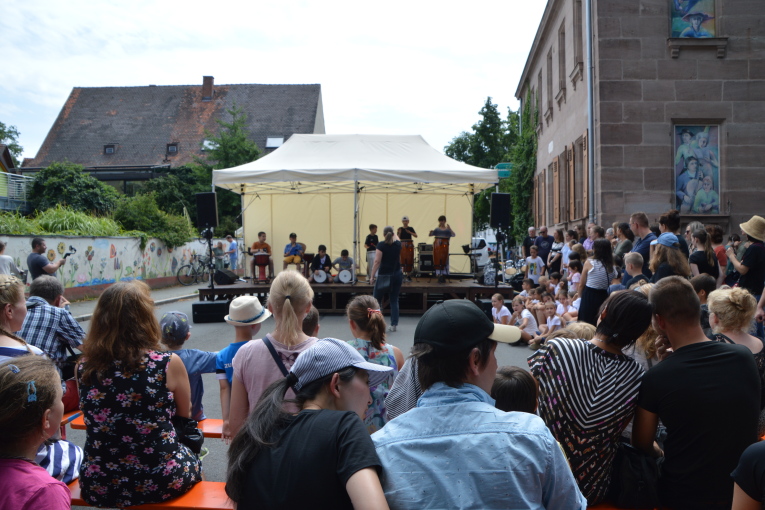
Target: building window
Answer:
[[172, 148], [579, 179], [560, 97], [549, 103], [577, 73], [540, 112], [274, 142], [110, 148]]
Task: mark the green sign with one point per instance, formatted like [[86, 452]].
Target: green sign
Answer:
[[503, 170]]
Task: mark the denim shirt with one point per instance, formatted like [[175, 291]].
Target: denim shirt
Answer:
[[456, 450]]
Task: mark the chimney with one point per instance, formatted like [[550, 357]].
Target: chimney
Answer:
[[207, 88]]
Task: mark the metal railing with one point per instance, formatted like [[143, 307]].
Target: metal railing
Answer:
[[13, 192]]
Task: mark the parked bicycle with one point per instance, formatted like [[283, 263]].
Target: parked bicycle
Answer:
[[197, 271]]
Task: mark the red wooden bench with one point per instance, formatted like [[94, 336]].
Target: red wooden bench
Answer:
[[210, 427], [203, 496]]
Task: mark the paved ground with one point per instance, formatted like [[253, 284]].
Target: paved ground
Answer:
[[215, 336]]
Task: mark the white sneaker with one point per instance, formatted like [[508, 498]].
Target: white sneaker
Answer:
[[392, 329]]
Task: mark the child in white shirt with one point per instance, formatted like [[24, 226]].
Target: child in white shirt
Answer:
[[498, 309], [524, 319], [575, 274], [553, 324], [535, 266]]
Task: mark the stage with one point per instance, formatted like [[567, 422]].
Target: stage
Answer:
[[331, 298]]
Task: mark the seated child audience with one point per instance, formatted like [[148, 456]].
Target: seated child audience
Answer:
[[544, 284], [524, 319], [246, 314], [526, 287], [499, 311], [552, 324], [515, 389], [704, 285], [555, 283], [30, 412], [575, 274], [311, 322], [581, 330], [175, 331]]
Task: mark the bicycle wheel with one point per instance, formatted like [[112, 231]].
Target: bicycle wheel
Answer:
[[187, 275]]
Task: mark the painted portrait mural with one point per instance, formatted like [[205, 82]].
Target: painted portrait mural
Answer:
[[693, 18], [697, 169]]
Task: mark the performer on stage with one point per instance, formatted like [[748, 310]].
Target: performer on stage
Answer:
[[321, 262], [261, 246], [293, 252], [443, 232], [405, 234], [371, 245]]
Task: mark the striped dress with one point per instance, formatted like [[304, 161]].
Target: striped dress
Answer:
[[587, 396]]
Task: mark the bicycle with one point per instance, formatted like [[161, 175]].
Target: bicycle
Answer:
[[195, 272]]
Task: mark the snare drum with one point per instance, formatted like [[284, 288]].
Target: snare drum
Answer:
[[440, 253], [261, 262], [320, 276], [345, 276], [407, 255]]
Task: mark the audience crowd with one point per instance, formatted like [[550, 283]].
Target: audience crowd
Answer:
[[647, 340]]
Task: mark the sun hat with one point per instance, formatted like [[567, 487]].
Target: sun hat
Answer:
[[405, 218], [330, 355], [246, 311], [697, 12], [175, 327], [755, 227], [458, 324], [667, 239]]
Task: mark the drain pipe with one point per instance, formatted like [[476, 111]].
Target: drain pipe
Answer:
[[590, 110]]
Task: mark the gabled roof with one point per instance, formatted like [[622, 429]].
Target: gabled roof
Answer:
[[6, 160], [142, 121]]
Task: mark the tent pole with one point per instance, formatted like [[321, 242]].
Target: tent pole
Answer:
[[355, 225]]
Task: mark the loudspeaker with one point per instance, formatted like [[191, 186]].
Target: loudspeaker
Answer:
[[209, 311], [426, 263], [500, 210], [485, 305], [225, 277], [207, 210]]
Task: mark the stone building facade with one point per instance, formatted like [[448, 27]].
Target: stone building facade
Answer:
[[661, 99]]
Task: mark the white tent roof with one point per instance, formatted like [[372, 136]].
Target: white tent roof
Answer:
[[394, 163]]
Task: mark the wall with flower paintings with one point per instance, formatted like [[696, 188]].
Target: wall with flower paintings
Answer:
[[104, 260]]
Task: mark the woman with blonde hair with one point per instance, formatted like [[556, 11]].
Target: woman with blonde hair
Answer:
[[258, 363], [131, 394], [667, 259], [368, 329], [13, 309]]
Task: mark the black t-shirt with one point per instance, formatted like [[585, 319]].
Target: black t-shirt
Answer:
[[36, 263], [528, 243], [313, 459], [707, 394], [634, 279], [371, 241], [750, 472], [544, 243], [391, 253], [404, 233], [662, 271], [754, 259], [700, 259], [683, 245]]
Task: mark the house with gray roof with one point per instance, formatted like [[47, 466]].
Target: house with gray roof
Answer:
[[124, 134]]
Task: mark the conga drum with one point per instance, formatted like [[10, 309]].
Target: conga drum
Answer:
[[407, 256], [440, 253], [320, 276], [345, 276], [261, 262], [307, 259]]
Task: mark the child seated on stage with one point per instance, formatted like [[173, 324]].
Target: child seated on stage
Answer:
[[246, 314], [175, 331], [345, 263], [321, 262], [524, 319], [499, 311], [552, 324], [515, 389]]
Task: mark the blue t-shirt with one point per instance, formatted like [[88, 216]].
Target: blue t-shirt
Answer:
[[290, 250], [232, 254], [197, 363], [36, 263], [643, 247], [226, 355]]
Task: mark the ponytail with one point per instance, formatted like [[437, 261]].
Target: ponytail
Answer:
[[289, 295], [365, 312], [388, 234], [704, 238]]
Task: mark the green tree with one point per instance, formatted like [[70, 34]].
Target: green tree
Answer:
[[9, 136], [490, 142], [231, 147], [141, 212], [67, 184], [172, 193], [524, 159]]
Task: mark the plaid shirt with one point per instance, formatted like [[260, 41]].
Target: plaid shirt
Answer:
[[50, 329]]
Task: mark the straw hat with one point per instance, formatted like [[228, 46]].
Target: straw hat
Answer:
[[697, 12], [755, 228], [246, 311]]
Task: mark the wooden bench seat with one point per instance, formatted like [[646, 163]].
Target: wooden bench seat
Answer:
[[203, 496], [210, 427]]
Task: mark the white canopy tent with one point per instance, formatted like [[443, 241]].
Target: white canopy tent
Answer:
[[314, 184]]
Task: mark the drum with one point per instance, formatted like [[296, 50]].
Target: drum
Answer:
[[509, 269], [345, 276], [407, 256], [261, 262], [440, 253], [320, 276]]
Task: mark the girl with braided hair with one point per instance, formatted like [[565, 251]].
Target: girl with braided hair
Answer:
[[368, 329], [13, 309]]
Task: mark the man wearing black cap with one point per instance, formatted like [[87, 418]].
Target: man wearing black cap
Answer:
[[455, 449]]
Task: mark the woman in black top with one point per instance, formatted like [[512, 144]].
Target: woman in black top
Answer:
[[555, 256], [321, 457], [389, 278], [703, 259], [667, 259]]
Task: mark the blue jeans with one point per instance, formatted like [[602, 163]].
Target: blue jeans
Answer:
[[232, 264], [396, 280]]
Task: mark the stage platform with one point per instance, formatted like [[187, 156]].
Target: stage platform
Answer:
[[331, 298]]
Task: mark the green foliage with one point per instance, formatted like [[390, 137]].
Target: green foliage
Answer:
[[226, 226], [524, 158], [141, 212], [13, 223], [60, 221], [9, 136], [67, 184], [491, 142], [171, 193]]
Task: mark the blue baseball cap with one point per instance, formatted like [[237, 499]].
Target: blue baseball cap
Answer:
[[667, 239], [175, 327]]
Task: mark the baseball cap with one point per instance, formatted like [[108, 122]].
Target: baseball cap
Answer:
[[330, 355], [667, 239], [405, 218], [175, 326], [459, 324]]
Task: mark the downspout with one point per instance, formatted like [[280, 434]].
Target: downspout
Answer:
[[590, 110]]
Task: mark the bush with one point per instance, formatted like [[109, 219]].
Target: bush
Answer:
[[67, 184], [141, 212], [64, 221]]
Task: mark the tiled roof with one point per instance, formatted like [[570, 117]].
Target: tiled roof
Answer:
[[141, 121]]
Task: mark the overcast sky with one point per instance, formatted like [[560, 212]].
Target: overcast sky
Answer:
[[397, 67]]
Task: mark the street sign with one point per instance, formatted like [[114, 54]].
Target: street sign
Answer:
[[503, 170]]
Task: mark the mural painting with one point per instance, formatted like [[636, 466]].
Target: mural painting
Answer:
[[697, 169], [693, 18]]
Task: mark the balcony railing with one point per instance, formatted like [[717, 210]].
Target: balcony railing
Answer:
[[13, 192]]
